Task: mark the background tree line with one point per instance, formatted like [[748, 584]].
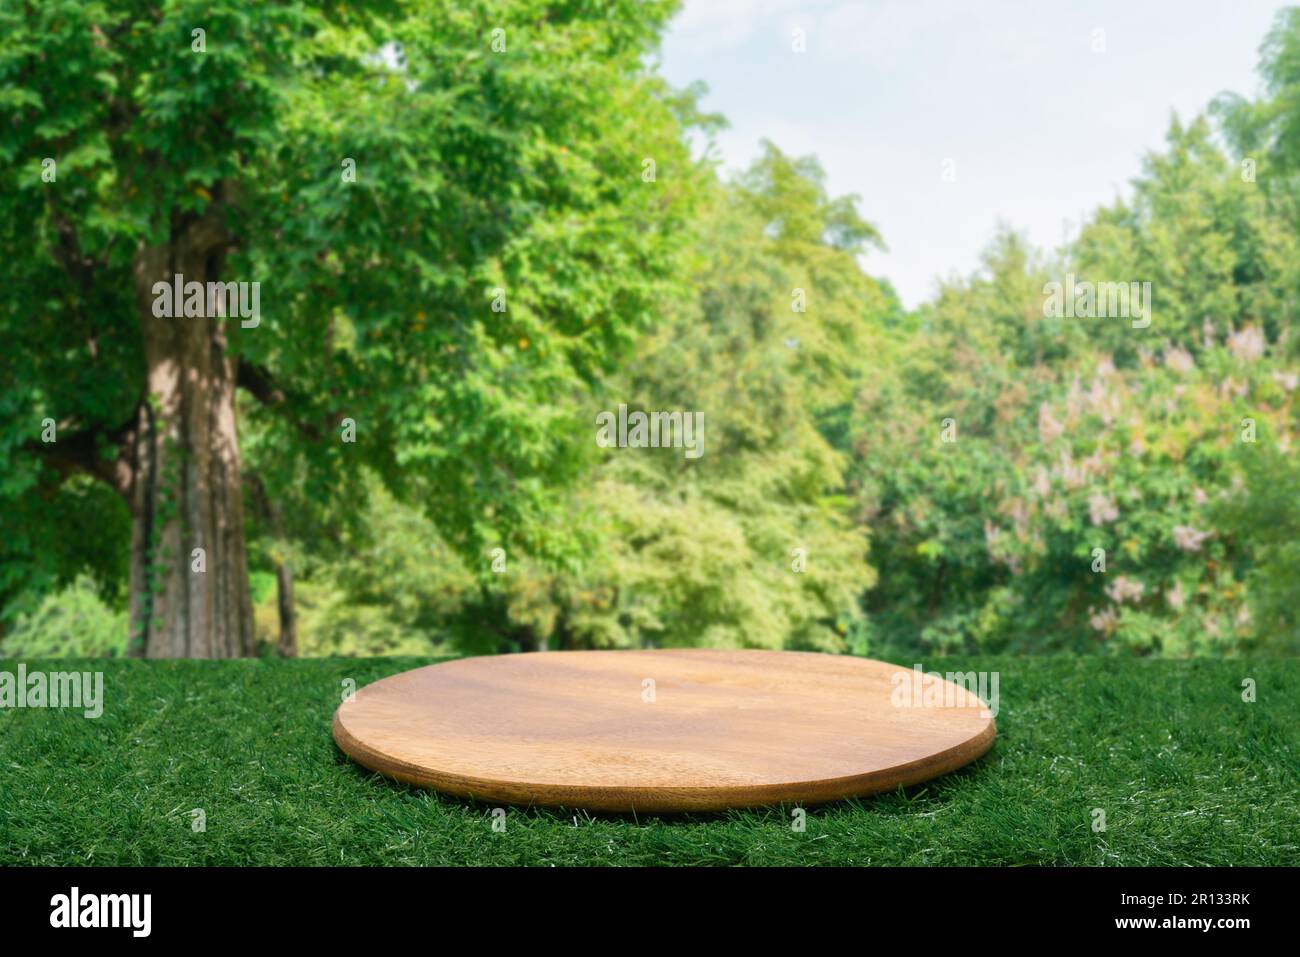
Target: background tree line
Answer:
[[475, 513]]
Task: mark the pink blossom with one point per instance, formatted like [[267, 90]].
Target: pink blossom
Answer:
[[1019, 512], [1179, 359], [1231, 387], [1123, 588], [1189, 539], [1071, 475], [1104, 620], [1101, 509], [1049, 430], [1247, 344], [1074, 400]]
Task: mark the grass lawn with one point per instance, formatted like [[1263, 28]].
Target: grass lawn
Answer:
[[1185, 771]]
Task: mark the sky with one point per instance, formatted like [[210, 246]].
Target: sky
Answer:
[[948, 117]]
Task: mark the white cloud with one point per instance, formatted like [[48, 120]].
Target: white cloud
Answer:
[[704, 27]]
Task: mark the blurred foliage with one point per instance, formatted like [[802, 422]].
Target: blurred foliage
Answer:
[[1265, 517], [74, 621], [704, 551], [486, 174], [827, 511], [1078, 434]]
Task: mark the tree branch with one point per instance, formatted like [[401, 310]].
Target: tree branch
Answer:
[[80, 452], [257, 381]]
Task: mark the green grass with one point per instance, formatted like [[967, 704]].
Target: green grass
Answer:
[[1186, 772]]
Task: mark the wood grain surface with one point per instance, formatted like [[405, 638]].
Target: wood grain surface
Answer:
[[722, 729]]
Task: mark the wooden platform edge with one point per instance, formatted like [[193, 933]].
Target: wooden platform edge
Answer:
[[664, 799]]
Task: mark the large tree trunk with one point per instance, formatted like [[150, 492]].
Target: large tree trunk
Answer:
[[184, 470]]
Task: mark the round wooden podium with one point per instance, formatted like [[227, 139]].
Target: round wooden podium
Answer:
[[664, 730]]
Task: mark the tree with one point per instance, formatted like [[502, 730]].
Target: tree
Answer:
[[749, 543], [446, 210], [1074, 507], [1268, 129]]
